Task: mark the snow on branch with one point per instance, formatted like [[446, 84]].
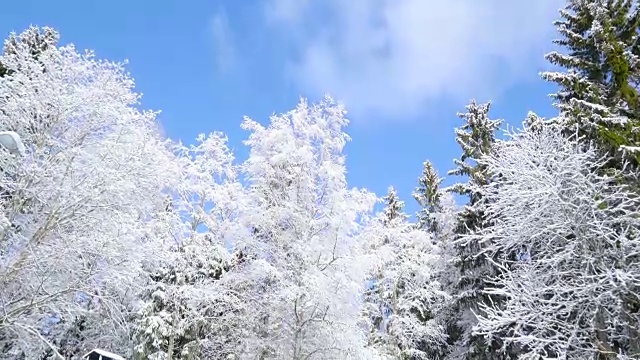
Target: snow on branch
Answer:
[[575, 295]]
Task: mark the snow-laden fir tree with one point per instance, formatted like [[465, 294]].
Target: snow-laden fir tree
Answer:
[[576, 297], [600, 70], [74, 232], [183, 307], [534, 122], [308, 307], [376, 308], [446, 267], [438, 216], [428, 195], [393, 208], [406, 294], [476, 138]]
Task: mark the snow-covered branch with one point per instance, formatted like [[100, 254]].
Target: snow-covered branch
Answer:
[[577, 294]]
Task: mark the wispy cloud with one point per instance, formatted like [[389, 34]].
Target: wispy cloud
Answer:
[[389, 57], [225, 51]]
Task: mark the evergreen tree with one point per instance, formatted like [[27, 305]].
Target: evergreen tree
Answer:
[[535, 123], [382, 244], [402, 303], [428, 195], [393, 208], [561, 302], [38, 43], [181, 316], [598, 96], [598, 88], [476, 138]]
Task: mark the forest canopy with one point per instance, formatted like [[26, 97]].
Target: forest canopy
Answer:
[[115, 237]]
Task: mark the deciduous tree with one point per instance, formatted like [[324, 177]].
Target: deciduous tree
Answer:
[[73, 235], [576, 297]]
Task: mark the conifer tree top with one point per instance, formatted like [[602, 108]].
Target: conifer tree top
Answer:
[[393, 208]]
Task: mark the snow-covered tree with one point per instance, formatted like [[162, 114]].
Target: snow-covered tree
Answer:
[[476, 138], [181, 309], [534, 122], [576, 294], [379, 245], [307, 223], [380, 239], [444, 219], [83, 198], [402, 303], [445, 271], [428, 195], [600, 71], [393, 208], [440, 211], [190, 312], [38, 40]]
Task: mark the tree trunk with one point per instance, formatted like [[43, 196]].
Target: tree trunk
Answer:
[[172, 338]]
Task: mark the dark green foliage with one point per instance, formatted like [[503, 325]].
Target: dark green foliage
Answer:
[[476, 138], [393, 208], [598, 90], [428, 195]]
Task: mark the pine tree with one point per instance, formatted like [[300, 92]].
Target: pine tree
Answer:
[[39, 44], [173, 321], [405, 296], [535, 123], [598, 95], [393, 208], [383, 242], [476, 138], [428, 195]]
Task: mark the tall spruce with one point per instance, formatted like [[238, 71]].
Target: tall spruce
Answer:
[[393, 208], [405, 295], [376, 305], [598, 94], [437, 217], [476, 138], [428, 194]]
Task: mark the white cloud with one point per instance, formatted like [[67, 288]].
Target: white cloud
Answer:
[[223, 41], [388, 57]]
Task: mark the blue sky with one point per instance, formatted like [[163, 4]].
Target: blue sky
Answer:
[[403, 68]]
